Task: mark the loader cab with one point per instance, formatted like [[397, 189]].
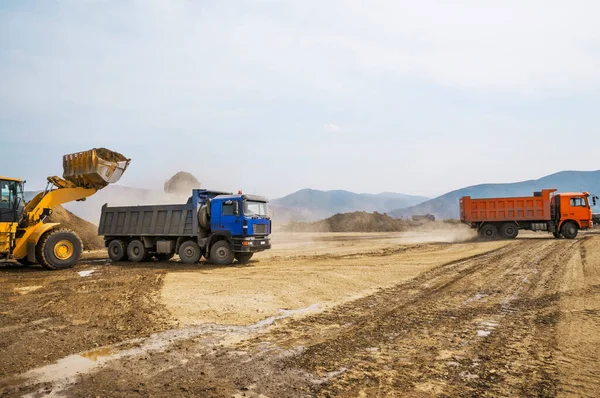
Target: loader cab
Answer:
[[12, 199]]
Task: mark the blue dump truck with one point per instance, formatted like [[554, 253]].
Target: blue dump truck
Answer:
[[218, 226]]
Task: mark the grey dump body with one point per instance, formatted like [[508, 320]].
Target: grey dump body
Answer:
[[153, 221]]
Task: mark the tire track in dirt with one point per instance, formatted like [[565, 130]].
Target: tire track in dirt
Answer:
[[502, 323]]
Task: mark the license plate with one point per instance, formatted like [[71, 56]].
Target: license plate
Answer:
[[262, 242]]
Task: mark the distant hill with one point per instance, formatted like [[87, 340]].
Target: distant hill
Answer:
[[312, 204], [446, 206]]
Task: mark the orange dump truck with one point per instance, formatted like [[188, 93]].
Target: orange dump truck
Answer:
[[562, 214]]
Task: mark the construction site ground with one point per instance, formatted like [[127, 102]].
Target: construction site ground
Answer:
[[373, 314]]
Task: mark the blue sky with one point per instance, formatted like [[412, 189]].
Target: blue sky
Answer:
[[274, 96]]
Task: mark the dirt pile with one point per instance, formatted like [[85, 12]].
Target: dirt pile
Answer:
[[87, 231], [359, 221], [181, 183]]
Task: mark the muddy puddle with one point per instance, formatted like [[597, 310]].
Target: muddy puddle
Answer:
[[64, 372]]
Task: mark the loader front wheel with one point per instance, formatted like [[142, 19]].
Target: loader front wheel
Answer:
[[117, 250], [59, 249]]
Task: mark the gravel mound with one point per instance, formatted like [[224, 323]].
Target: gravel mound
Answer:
[[181, 183], [358, 221]]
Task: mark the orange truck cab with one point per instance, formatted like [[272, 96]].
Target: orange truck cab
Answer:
[[562, 214]]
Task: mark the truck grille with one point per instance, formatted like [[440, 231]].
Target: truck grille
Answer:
[[260, 229]]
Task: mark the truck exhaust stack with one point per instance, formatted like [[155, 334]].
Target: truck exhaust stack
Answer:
[[95, 168]]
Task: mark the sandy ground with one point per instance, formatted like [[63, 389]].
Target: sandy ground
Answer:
[[319, 315]]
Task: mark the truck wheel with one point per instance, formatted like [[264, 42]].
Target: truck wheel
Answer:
[[136, 251], [164, 256], [189, 252], [569, 230], [117, 251], [243, 258], [221, 253], [59, 249], [488, 231], [509, 230]]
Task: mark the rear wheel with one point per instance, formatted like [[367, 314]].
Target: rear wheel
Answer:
[[509, 230], [117, 250], [243, 258], [569, 230], [488, 231], [221, 253], [136, 251], [59, 249], [189, 252]]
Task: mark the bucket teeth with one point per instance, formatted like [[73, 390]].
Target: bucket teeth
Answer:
[[95, 168]]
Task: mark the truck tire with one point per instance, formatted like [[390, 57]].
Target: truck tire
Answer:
[[569, 230], [221, 253], [164, 256], [509, 230], [136, 251], [203, 218], [189, 252], [243, 258], [117, 250], [488, 231], [59, 249]]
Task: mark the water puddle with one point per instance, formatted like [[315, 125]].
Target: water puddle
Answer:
[[64, 372]]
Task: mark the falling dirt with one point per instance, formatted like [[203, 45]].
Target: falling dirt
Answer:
[[517, 318]]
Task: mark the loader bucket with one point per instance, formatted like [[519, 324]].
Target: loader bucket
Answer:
[[95, 168]]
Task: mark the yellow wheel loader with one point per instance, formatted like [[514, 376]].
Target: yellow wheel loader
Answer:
[[23, 234]]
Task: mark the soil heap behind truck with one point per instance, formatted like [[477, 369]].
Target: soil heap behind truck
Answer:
[[562, 214], [217, 225]]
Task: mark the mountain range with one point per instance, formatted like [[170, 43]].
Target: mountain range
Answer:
[[313, 205]]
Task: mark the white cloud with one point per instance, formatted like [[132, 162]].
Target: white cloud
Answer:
[[331, 128]]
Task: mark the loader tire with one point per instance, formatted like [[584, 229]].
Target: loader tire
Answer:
[[136, 251], [190, 252], [24, 261], [59, 249], [569, 230], [243, 258], [117, 250], [221, 253]]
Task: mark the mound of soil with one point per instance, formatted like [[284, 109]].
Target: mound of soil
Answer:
[[358, 221], [181, 183], [87, 231]]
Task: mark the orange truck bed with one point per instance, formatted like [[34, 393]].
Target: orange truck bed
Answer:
[[526, 208]]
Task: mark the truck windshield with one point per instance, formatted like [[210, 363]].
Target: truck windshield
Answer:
[[255, 208]]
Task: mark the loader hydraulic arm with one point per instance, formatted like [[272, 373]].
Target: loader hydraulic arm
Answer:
[[62, 192]]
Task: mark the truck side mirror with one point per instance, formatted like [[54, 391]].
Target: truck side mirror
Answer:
[[594, 200], [236, 208]]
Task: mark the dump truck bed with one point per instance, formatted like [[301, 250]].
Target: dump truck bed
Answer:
[[526, 208], [155, 220]]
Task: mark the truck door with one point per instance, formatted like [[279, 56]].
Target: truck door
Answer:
[[578, 208], [230, 219]]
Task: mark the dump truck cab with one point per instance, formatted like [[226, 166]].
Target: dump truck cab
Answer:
[[572, 207], [244, 218]]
